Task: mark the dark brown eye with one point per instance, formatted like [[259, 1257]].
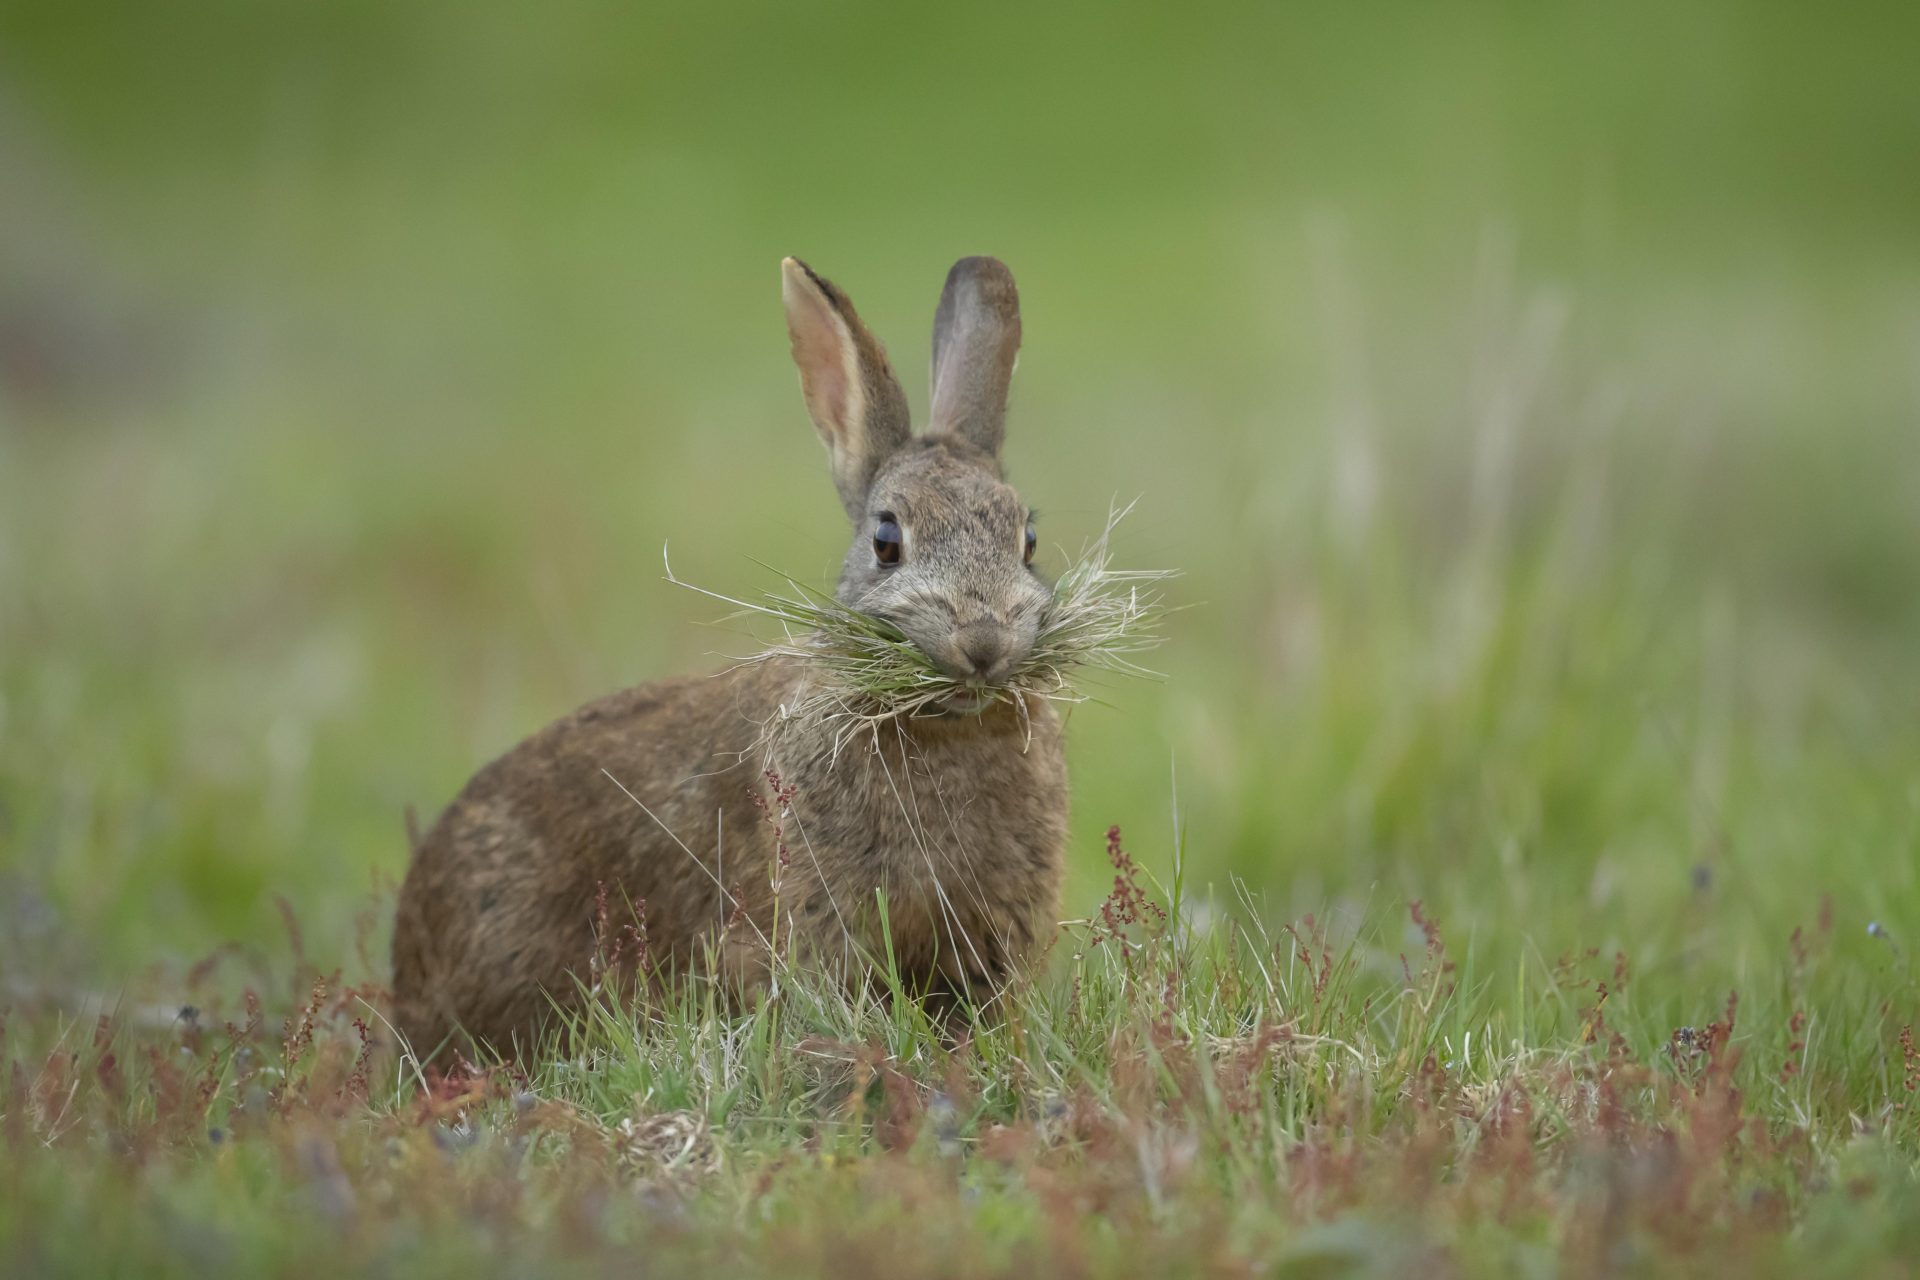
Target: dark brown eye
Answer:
[[1032, 541], [886, 540]]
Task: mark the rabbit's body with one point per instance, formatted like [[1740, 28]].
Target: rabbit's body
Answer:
[[958, 823], [663, 795]]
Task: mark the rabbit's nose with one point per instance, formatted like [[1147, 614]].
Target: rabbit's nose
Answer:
[[982, 651]]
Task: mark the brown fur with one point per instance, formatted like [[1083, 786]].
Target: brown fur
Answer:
[[959, 821]]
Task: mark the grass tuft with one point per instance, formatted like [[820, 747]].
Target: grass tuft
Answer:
[[866, 671]]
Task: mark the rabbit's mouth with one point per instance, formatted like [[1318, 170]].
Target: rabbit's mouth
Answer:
[[970, 701]]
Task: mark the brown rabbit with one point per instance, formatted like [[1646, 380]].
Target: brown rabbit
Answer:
[[956, 819]]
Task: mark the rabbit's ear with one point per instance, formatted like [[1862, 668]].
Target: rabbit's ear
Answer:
[[855, 400], [976, 337]]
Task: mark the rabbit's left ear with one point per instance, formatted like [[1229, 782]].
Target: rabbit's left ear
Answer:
[[850, 390], [976, 338]]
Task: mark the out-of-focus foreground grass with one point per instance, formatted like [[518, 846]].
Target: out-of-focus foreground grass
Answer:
[[1529, 397]]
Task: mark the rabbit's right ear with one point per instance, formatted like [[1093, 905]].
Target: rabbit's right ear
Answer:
[[850, 390], [976, 339]]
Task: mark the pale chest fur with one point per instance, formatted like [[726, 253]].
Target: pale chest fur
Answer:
[[960, 824]]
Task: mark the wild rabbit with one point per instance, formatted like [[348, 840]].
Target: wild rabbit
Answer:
[[954, 817]]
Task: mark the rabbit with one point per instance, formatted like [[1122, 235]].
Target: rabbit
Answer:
[[674, 801]]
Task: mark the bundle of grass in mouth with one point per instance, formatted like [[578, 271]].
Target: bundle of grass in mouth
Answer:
[[867, 672]]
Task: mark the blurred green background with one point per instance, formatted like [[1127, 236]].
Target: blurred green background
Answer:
[[1530, 393]]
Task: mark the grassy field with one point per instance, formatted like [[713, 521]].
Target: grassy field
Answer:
[[1527, 398]]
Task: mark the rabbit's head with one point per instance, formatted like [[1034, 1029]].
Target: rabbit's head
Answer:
[[942, 545]]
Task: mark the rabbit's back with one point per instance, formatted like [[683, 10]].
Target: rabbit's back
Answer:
[[498, 911]]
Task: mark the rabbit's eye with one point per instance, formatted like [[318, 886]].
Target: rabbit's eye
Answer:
[[887, 540], [1032, 542]]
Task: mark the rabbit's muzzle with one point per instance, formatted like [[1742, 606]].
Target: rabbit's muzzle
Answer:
[[980, 653], [976, 649]]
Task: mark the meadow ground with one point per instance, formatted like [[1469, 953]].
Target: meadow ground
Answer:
[[1533, 796], [1229, 1103]]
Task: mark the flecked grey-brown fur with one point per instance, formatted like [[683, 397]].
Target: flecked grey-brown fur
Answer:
[[959, 821]]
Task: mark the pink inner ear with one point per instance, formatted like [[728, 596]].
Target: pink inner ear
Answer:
[[823, 371]]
